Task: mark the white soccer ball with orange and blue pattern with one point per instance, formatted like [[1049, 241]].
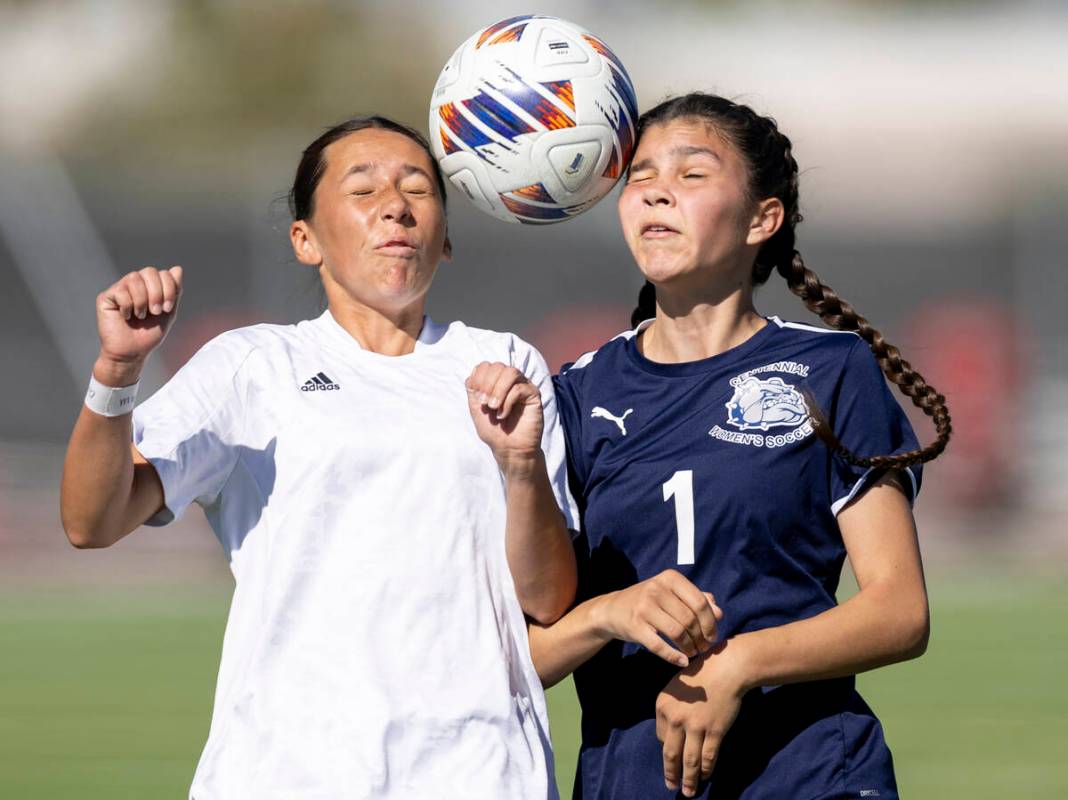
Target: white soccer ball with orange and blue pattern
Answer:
[[533, 119]]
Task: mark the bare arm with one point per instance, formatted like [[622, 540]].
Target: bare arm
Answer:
[[108, 488], [884, 622], [538, 544], [559, 649], [665, 605], [506, 409]]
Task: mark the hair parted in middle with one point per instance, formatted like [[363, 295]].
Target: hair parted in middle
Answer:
[[313, 164], [772, 172]]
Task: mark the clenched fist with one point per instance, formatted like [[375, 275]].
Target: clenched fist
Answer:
[[506, 409], [133, 316]]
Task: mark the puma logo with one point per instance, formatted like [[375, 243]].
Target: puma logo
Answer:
[[603, 413]]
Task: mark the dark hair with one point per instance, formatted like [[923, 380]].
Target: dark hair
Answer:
[[772, 172], [312, 164]]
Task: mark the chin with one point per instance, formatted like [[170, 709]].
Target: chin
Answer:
[[399, 297], [405, 276], [384, 297], [664, 273]]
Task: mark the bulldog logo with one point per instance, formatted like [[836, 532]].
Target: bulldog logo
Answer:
[[758, 404]]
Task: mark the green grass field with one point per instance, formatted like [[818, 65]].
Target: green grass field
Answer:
[[109, 696]]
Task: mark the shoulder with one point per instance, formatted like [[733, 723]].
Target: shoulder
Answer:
[[823, 349], [232, 349], [212, 380], [841, 359], [591, 365], [259, 336], [584, 365], [503, 346], [486, 339], [825, 338]]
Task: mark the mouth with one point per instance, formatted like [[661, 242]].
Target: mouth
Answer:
[[656, 230], [397, 247]]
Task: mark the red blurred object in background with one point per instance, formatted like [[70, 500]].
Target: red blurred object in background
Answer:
[[977, 354], [566, 334]]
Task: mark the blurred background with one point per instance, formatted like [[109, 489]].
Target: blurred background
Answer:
[[931, 136]]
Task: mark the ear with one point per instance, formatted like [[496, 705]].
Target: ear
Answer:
[[446, 251], [304, 245], [766, 221]]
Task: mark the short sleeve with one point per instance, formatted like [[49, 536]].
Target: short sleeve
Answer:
[[533, 365], [869, 421], [570, 417], [189, 429]]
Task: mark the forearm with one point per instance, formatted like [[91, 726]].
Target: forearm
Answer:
[[653, 612], [558, 649], [884, 623], [98, 473], [540, 555]]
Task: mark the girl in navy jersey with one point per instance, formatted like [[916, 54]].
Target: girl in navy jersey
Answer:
[[751, 455]]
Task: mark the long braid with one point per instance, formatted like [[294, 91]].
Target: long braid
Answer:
[[646, 308], [840, 315], [823, 301], [773, 172]]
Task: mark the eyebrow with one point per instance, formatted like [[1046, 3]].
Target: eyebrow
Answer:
[[694, 150], [406, 170], [681, 150]]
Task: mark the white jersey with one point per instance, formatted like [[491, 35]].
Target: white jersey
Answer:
[[375, 647]]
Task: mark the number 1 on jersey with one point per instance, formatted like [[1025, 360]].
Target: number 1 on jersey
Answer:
[[681, 488]]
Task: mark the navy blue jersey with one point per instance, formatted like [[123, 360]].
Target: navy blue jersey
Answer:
[[712, 468]]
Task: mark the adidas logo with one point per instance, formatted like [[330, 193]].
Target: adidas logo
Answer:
[[319, 383]]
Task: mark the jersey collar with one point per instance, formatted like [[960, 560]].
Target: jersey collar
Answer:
[[430, 334], [690, 368]]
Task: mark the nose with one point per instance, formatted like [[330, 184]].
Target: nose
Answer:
[[654, 193], [396, 208]]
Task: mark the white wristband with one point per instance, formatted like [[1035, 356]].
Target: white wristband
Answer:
[[109, 401]]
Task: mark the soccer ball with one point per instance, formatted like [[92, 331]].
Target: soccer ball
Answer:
[[533, 119]]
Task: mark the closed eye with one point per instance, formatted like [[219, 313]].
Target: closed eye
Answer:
[[417, 188]]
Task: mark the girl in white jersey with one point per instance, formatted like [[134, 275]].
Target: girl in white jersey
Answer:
[[376, 645]]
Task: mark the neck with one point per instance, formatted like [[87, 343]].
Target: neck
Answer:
[[387, 332], [693, 326]]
